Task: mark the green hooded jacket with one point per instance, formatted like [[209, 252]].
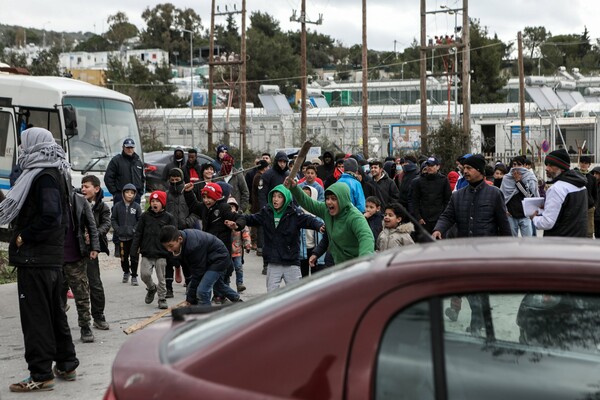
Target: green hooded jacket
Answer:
[[348, 231], [288, 199]]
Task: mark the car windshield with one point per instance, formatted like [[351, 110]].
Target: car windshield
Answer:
[[103, 124], [196, 334]]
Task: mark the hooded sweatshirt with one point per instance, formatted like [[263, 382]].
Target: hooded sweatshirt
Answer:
[[565, 208], [273, 177], [124, 217], [348, 231], [326, 170], [281, 229]]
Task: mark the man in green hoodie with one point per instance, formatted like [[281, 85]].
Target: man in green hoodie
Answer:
[[348, 230], [281, 222]]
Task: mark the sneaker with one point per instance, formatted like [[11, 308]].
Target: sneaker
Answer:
[[178, 275], [134, 281], [150, 295], [117, 250], [169, 294], [29, 385], [241, 288], [162, 304], [101, 324], [451, 313], [264, 271], [126, 277], [65, 375], [70, 294], [86, 334]]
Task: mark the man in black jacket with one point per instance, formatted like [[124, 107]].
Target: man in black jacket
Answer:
[[207, 258], [566, 204], [177, 161], [125, 168], [273, 177], [191, 168], [38, 206], [326, 170], [584, 167], [389, 190], [430, 194], [477, 210]]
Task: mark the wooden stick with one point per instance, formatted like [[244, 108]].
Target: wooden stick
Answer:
[[299, 161], [142, 324]]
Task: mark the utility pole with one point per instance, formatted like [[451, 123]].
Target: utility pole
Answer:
[[522, 94], [365, 81], [303, 73], [423, 77], [228, 62], [243, 143], [466, 70]]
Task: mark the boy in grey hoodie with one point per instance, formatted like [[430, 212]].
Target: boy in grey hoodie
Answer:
[[124, 217]]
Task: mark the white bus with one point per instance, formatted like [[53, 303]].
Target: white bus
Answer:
[[90, 122]]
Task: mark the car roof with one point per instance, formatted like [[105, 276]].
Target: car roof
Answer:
[[500, 248], [165, 155]]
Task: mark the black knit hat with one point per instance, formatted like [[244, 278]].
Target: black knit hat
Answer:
[[350, 165], [559, 158], [476, 161]]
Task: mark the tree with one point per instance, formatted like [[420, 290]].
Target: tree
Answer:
[[14, 59], [448, 142], [561, 50], [95, 43], [486, 60], [158, 33], [120, 29], [272, 60], [45, 63], [228, 36], [533, 38]]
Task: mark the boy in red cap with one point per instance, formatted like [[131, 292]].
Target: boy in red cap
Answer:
[[147, 241], [213, 212]]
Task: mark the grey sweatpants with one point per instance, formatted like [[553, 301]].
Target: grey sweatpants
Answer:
[[146, 266], [277, 273]]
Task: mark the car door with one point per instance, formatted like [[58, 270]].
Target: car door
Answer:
[[406, 348]]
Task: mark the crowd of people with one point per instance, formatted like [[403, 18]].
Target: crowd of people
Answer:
[[337, 208]]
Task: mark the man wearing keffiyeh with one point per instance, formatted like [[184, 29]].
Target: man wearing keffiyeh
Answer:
[[38, 207]]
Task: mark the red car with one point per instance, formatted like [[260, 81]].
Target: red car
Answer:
[[376, 328]]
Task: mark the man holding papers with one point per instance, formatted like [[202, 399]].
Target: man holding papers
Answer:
[[520, 183], [565, 208]]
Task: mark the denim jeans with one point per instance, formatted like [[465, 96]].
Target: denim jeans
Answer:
[[210, 280], [239, 270], [520, 224]]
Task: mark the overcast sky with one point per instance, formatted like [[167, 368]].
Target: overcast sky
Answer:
[[387, 20]]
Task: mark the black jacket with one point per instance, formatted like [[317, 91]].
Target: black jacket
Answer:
[[124, 219], [213, 219], [326, 170], [202, 252], [572, 217], [147, 234], [282, 243], [376, 224], [42, 223], [102, 218], [430, 195], [272, 177], [187, 167], [123, 169], [173, 163], [177, 206], [476, 211], [389, 190], [410, 173], [84, 221]]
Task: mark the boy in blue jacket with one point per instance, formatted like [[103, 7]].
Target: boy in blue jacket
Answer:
[[207, 258], [281, 222]]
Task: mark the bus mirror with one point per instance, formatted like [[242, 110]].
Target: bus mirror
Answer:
[[70, 121]]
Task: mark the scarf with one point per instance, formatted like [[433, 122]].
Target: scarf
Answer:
[[226, 168], [509, 185], [39, 151]]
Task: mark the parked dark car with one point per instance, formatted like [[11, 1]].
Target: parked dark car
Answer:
[[154, 166], [374, 328]]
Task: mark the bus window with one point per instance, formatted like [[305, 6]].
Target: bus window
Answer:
[[7, 147]]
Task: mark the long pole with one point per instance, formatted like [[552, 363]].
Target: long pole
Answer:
[[423, 86], [522, 94], [211, 68], [466, 71], [303, 79], [243, 84], [365, 80], [192, 82]]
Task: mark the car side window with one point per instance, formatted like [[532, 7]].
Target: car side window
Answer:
[[404, 361], [495, 346]]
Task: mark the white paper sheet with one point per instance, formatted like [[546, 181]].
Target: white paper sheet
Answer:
[[532, 204]]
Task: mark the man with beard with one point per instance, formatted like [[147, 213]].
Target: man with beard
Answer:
[[566, 204]]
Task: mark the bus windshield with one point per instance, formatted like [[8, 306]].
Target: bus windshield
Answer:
[[102, 126]]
